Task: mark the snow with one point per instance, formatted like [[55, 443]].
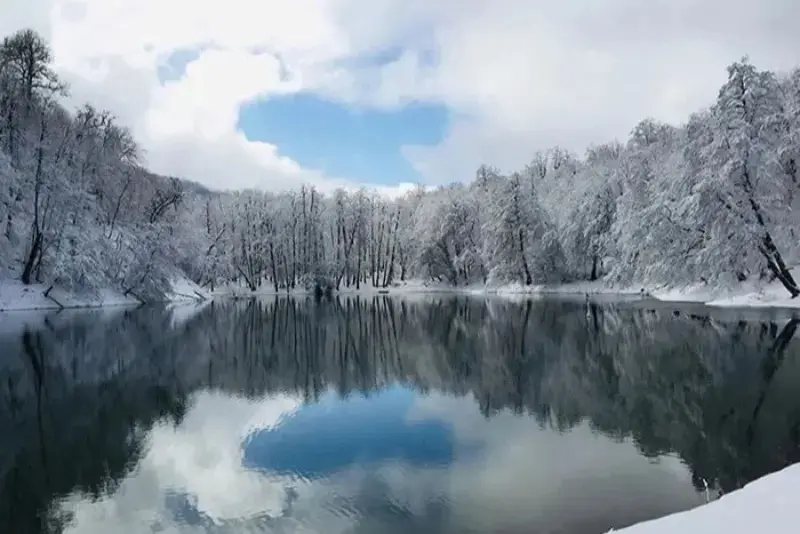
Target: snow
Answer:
[[768, 504], [575, 288], [748, 294], [16, 296], [237, 290], [406, 287], [184, 289], [417, 286], [691, 293]]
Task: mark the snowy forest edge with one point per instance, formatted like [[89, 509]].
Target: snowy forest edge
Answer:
[[706, 205]]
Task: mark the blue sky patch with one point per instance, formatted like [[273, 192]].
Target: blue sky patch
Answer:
[[174, 67], [355, 143]]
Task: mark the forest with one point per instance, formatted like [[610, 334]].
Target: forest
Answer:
[[708, 201]]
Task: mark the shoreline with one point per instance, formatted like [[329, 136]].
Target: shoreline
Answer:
[[14, 296], [750, 296], [17, 297]]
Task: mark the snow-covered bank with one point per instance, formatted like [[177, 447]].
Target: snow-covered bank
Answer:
[[748, 294], [768, 504], [184, 290], [16, 296], [407, 287], [574, 288], [423, 286]]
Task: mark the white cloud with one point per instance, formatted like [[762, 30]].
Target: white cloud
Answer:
[[26, 14], [531, 75], [206, 99], [518, 75]]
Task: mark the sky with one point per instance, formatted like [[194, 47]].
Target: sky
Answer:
[[388, 93]]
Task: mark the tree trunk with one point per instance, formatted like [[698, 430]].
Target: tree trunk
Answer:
[[274, 267], [250, 284], [31, 261], [358, 267], [768, 248], [778, 268], [36, 231], [526, 269]]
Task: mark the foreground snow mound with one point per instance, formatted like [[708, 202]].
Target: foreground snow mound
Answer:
[[768, 505]]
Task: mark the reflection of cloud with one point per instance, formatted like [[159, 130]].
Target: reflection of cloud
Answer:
[[522, 478], [201, 458], [558, 481]]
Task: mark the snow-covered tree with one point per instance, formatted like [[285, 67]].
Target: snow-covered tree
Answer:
[[742, 179], [712, 200]]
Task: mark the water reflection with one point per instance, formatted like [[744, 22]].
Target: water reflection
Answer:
[[333, 434], [381, 415]]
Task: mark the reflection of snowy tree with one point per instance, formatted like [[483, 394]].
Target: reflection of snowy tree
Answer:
[[675, 383]]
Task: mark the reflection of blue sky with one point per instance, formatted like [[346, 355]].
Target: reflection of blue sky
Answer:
[[396, 462], [334, 433]]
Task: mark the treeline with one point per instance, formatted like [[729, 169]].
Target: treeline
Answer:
[[711, 200], [77, 208]]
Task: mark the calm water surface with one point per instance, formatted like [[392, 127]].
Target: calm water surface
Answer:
[[431, 415]]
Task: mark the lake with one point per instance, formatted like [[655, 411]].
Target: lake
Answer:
[[380, 415]]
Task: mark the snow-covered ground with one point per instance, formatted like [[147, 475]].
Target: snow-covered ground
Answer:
[[595, 289], [768, 504], [423, 286], [407, 287], [749, 294], [184, 290], [16, 296]]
